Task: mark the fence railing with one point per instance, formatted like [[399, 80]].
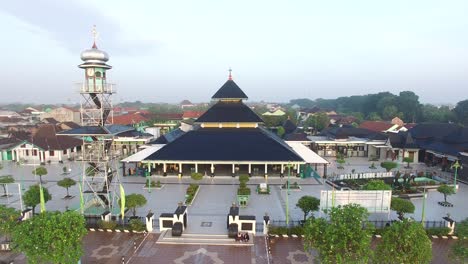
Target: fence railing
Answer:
[[376, 223], [282, 223], [427, 224]]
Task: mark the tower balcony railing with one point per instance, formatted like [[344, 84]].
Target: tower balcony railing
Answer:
[[107, 88]]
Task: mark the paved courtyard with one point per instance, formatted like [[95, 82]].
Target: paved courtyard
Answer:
[[216, 196], [111, 248]]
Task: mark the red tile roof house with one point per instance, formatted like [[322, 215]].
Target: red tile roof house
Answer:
[[129, 119], [382, 126], [192, 114], [45, 146]]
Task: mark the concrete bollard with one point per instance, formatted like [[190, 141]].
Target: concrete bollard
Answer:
[[266, 222], [149, 222]]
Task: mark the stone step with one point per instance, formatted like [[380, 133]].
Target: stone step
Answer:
[[200, 239]]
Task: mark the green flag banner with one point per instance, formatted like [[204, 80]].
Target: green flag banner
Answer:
[[122, 201], [42, 200], [81, 198]]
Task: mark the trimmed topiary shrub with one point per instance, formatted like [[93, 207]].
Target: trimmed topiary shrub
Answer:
[[136, 225], [196, 176], [107, 224]]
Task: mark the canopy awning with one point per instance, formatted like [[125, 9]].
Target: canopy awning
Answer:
[[307, 154], [143, 154]]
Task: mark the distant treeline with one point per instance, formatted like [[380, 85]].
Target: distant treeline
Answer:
[[385, 106]]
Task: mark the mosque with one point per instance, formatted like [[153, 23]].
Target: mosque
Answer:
[[229, 140]]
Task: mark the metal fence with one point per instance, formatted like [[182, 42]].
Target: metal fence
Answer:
[[282, 223], [376, 223], [427, 224], [259, 227]]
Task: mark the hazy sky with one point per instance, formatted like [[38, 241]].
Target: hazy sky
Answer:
[[278, 50]]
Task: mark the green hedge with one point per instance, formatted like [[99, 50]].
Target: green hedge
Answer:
[[282, 230], [136, 225], [191, 190], [196, 176], [438, 231], [107, 224], [243, 191]]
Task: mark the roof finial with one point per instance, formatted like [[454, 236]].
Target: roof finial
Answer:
[[95, 35], [230, 74]]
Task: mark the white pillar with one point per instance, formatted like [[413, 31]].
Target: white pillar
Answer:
[[298, 168], [250, 168], [60, 155], [282, 168], [212, 168], [233, 169], [196, 167], [180, 167], [266, 168], [149, 167], [164, 168]]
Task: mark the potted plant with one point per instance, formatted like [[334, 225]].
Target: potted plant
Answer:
[[243, 192]]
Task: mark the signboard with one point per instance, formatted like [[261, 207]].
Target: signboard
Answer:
[[373, 201]]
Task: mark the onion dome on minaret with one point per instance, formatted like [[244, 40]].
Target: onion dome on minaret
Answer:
[[94, 57]]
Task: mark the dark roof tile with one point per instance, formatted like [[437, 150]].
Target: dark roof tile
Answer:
[[229, 112], [236, 144], [229, 90]]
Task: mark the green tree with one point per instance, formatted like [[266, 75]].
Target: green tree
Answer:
[[66, 183], [51, 237], [388, 165], [376, 185], [446, 191], [280, 131], [8, 220], [318, 121], [389, 112], [4, 180], [32, 196], [345, 238], [459, 251], [432, 113], [461, 112], [408, 103], [408, 160], [133, 201], [374, 116], [404, 242], [308, 204], [402, 207], [40, 171]]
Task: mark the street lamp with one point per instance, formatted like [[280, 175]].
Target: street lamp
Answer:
[[287, 194], [456, 166]]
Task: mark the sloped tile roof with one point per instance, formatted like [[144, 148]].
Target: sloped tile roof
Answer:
[[229, 112], [214, 144], [229, 90]]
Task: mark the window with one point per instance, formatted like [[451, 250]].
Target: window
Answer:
[[64, 151], [27, 152], [34, 152], [51, 153], [98, 74], [167, 223], [246, 226]]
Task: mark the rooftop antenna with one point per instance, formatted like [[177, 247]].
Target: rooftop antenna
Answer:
[[230, 73]]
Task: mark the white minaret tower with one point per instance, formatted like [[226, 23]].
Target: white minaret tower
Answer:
[[100, 172]]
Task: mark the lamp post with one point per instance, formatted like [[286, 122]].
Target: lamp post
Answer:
[[148, 177], [456, 166], [287, 194]]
